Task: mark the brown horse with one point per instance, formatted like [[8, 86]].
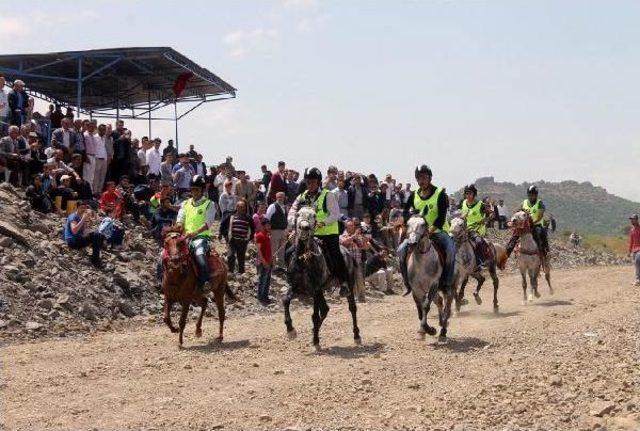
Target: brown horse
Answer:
[[179, 284]]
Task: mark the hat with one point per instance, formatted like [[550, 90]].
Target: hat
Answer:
[[76, 156], [633, 217], [65, 177], [33, 135]]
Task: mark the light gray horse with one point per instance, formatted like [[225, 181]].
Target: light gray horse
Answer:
[[308, 275], [424, 269], [467, 265], [529, 260]]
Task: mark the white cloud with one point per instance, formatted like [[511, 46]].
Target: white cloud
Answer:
[[242, 42], [11, 28]]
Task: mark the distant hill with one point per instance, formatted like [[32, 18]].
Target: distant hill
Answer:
[[574, 205]]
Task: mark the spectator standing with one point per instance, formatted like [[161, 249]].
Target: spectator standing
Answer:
[[292, 188], [77, 235], [102, 142], [166, 169], [170, 149], [258, 216], [227, 203], [56, 117], [142, 151], [342, 196], [246, 190], [153, 159], [407, 193], [240, 231], [278, 182], [121, 164], [634, 245], [277, 216], [192, 153], [264, 262], [182, 174], [502, 214], [65, 135], [18, 101], [69, 113], [79, 129], [199, 166], [357, 194], [4, 107], [331, 182], [90, 144], [266, 176]]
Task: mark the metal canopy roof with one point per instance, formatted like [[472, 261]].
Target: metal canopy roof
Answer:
[[99, 82]]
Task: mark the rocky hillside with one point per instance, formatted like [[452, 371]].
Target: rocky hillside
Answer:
[[581, 206]]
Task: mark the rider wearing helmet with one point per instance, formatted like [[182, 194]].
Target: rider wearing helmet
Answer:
[[432, 203], [535, 208], [196, 217], [327, 216], [474, 213]]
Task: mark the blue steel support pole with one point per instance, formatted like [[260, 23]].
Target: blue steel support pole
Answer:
[[79, 90]]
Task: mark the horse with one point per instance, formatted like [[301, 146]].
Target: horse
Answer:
[[179, 284], [467, 266], [308, 274], [530, 260], [424, 270]]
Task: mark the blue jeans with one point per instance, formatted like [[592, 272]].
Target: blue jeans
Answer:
[[199, 248], [636, 262], [446, 244], [264, 281]]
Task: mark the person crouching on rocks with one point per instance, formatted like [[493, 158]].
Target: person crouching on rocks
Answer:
[[112, 230], [77, 234]]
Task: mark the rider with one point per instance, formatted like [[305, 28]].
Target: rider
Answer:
[[196, 217], [474, 213], [327, 216], [432, 203], [535, 208]]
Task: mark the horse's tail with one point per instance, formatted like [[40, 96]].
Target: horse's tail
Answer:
[[500, 253]]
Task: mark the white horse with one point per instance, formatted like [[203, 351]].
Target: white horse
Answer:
[[308, 275], [424, 269], [467, 266], [529, 260]]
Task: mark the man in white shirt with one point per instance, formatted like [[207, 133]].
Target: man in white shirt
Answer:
[[90, 144], [154, 159], [4, 108], [101, 158], [502, 215]]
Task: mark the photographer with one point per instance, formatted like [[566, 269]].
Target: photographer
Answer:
[[77, 234]]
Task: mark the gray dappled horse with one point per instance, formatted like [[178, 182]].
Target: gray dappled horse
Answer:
[[467, 265], [424, 269], [529, 259], [308, 274]]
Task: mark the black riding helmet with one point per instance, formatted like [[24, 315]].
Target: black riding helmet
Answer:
[[313, 174], [423, 169], [533, 190], [471, 188], [197, 181]]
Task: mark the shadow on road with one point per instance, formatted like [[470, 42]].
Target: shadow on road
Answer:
[[351, 352], [462, 344], [552, 303], [214, 346], [499, 315]]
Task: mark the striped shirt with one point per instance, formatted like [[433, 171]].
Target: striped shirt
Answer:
[[241, 227]]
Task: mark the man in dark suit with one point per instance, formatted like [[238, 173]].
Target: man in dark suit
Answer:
[[278, 183], [18, 101], [65, 135]]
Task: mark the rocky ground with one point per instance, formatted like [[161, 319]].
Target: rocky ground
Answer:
[[567, 362], [48, 290]]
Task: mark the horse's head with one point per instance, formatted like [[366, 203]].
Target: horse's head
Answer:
[[458, 227], [305, 222], [175, 250], [416, 228], [521, 220]]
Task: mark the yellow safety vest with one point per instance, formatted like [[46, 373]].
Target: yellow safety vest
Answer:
[[321, 215], [428, 208], [533, 210], [195, 217], [475, 218]]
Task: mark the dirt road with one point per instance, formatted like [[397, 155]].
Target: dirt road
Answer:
[[568, 362]]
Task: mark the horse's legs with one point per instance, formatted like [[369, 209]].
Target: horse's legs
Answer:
[[315, 318], [219, 298], [480, 279], [323, 308], [547, 273], [426, 305], [183, 318], [461, 301], [420, 314], [444, 319], [523, 273], [353, 309], [168, 305], [533, 277], [286, 302], [203, 307], [496, 283]]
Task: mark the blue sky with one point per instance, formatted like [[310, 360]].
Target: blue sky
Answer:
[[521, 90]]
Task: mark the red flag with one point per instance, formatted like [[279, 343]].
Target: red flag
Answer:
[[181, 83]]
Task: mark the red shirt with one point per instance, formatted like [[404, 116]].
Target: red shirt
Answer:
[[263, 241], [634, 239], [112, 198]]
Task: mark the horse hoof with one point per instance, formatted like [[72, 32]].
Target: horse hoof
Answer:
[[358, 341], [421, 335], [198, 333], [477, 298], [537, 294], [317, 348], [530, 298], [551, 292], [431, 331], [217, 340], [292, 334], [442, 339], [174, 330], [496, 309], [464, 301]]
